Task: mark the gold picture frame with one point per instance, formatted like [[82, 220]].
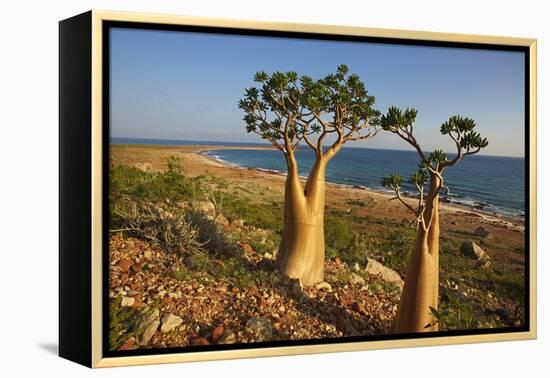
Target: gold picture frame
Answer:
[[91, 24]]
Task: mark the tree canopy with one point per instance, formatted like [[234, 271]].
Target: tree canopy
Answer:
[[286, 109], [460, 129], [462, 132]]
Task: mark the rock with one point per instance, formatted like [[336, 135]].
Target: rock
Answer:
[[247, 248], [130, 344], [268, 256], [483, 264], [481, 232], [146, 167], [387, 274], [238, 223], [221, 220], [206, 207], [217, 334], [125, 264], [228, 337], [296, 286], [148, 332], [199, 341], [148, 254], [338, 261], [470, 249], [323, 286], [260, 328], [169, 322], [127, 301], [502, 313], [138, 304], [356, 280], [360, 308], [147, 325], [356, 267]]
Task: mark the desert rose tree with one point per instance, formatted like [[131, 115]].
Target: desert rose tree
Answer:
[[291, 111], [420, 294]]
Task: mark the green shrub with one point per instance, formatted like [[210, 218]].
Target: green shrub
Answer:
[[120, 323], [342, 276], [181, 273], [454, 313], [172, 184], [259, 215], [502, 284], [395, 247], [344, 240]]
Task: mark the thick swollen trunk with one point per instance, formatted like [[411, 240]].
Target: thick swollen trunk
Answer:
[[302, 250], [413, 313], [421, 289], [433, 235]]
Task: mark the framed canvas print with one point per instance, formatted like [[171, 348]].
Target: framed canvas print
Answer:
[[234, 189]]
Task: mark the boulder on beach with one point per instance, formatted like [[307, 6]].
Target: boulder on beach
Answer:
[[470, 249]]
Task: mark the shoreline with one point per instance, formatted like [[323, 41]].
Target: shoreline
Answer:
[[445, 206], [198, 152]]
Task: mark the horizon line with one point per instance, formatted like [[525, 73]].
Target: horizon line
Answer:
[[268, 144]]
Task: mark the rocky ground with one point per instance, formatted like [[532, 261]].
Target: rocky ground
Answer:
[[153, 306]]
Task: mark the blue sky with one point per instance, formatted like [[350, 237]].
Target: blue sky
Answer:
[[180, 85]]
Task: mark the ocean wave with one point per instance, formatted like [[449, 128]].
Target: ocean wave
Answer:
[[270, 171], [219, 159], [483, 206]]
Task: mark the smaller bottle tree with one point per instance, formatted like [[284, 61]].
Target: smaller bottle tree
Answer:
[[421, 290]]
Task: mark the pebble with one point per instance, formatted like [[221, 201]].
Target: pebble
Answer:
[[260, 328], [323, 286], [127, 301], [228, 337], [217, 333]]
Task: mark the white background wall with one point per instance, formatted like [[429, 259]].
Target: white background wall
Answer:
[[28, 185]]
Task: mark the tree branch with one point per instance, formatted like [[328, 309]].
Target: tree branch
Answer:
[[400, 198], [458, 157]]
